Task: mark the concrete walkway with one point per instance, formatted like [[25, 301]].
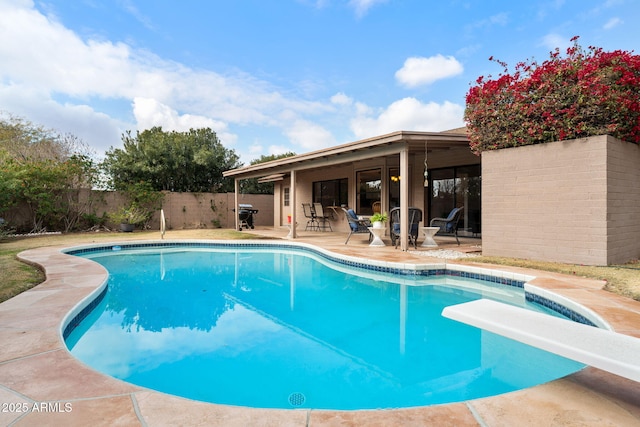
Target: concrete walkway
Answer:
[[42, 384]]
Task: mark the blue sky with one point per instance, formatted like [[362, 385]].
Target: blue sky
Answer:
[[271, 76]]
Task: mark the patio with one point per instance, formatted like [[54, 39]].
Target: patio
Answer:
[[359, 245], [36, 368]]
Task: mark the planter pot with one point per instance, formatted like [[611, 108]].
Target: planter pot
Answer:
[[127, 228], [378, 224]]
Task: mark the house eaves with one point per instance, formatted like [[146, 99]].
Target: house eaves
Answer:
[[377, 146]]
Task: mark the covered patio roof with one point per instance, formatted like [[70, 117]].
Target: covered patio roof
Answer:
[[383, 145], [400, 143]]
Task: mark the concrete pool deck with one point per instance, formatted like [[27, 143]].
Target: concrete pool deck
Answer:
[[42, 384]]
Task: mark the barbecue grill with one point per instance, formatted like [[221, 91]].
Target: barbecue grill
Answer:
[[245, 215]]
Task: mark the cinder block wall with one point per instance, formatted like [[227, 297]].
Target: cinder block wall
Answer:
[[547, 202], [208, 210], [623, 189], [182, 210]]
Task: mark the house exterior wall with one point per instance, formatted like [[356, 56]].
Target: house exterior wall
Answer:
[[304, 193], [417, 193], [567, 201]]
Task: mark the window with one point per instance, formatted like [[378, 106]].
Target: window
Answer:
[[334, 192], [285, 196], [369, 188], [455, 187]]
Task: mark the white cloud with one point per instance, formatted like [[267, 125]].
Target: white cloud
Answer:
[[361, 7], [409, 114], [309, 136], [552, 41], [52, 76], [130, 8], [94, 128], [612, 23], [418, 71], [341, 99], [501, 19], [278, 149], [48, 61], [149, 113]]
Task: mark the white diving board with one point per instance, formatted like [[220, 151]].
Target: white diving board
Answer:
[[600, 348]]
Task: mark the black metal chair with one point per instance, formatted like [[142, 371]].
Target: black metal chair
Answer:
[[356, 225], [415, 216], [310, 214], [449, 225], [322, 217]]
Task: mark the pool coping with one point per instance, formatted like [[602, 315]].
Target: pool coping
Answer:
[[26, 378], [557, 303]]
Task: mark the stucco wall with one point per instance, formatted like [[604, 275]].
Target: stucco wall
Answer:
[[566, 201], [417, 196]]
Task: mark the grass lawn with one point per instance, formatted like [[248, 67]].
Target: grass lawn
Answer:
[[621, 279], [16, 277]]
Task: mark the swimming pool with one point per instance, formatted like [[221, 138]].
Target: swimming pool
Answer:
[[282, 327]]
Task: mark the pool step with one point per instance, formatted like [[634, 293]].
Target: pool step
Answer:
[[600, 348]]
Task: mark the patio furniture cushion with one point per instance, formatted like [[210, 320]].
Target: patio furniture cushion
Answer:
[[352, 214]]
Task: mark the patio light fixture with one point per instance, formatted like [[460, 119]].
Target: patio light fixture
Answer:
[[426, 170]]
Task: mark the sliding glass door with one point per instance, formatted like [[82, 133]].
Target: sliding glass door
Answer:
[[369, 184], [455, 187]]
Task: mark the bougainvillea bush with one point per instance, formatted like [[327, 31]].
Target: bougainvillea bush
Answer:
[[584, 93]]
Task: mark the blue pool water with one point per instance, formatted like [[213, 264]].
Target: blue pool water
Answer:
[[284, 328]]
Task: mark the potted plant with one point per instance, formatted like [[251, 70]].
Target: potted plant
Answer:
[[378, 219], [128, 217]]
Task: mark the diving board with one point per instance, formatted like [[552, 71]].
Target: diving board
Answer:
[[600, 348]]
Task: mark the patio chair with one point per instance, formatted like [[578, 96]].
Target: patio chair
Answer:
[[322, 217], [415, 216], [449, 225], [310, 214], [356, 225]]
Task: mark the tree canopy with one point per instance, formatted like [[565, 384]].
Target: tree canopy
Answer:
[[586, 93], [252, 186], [173, 161], [43, 170]]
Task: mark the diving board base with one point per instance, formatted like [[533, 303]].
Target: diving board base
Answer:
[[600, 348]]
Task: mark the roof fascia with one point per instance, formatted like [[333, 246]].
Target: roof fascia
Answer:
[[382, 145]]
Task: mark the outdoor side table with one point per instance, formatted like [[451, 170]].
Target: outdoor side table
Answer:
[[429, 232], [377, 234]]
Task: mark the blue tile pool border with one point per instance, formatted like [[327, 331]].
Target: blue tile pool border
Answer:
[[558, 308], [347, 262], [410, 272], [75, 321]]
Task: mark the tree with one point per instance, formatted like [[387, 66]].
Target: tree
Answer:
[[252, 186], [172, 161], [44, 171], [584, 94]]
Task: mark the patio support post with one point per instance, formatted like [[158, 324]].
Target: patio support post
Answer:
[[292, 204], [236, 189], [404, 198]]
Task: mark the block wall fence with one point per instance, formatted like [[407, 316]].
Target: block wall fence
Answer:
[[182, 210], [575, 201]]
